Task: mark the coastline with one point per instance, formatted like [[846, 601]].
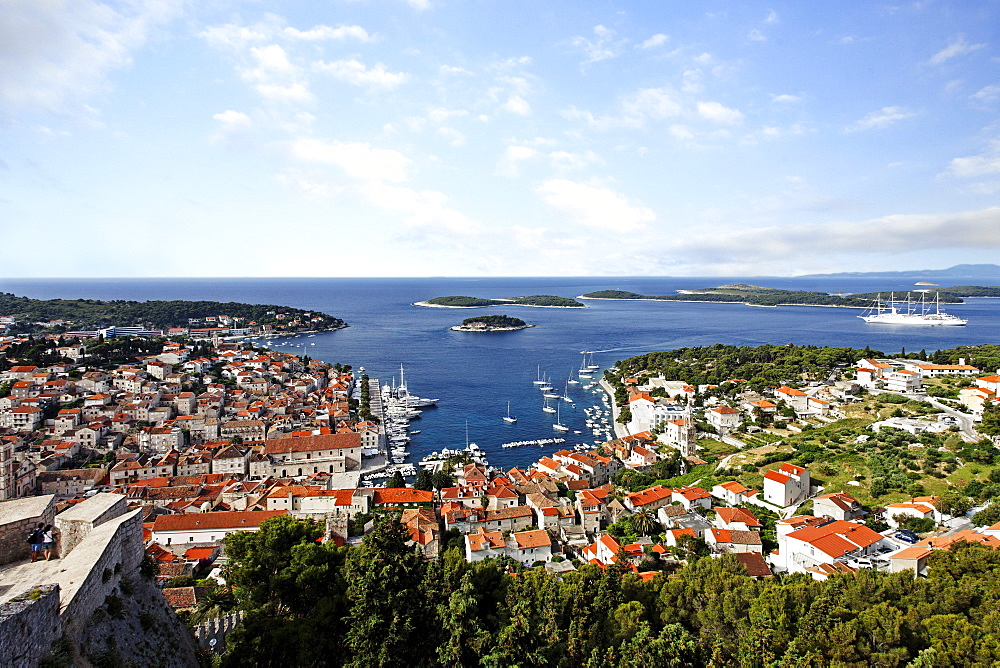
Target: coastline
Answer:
[[489, 330], [510, 303], [715, 301]]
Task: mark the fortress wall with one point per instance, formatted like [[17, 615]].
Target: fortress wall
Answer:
[[17, 518], [29, 623]]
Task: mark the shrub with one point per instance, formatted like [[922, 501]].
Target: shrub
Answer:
[[115, 606]]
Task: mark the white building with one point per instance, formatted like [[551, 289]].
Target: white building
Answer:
[[786, 486]]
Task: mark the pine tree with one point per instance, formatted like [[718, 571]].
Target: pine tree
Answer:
[[384, 621]]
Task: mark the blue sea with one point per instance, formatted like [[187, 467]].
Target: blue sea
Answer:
[[475, 375]]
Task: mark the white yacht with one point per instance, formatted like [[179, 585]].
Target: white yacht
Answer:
[[910, 312]]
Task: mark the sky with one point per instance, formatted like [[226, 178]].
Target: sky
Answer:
[[476, 138]]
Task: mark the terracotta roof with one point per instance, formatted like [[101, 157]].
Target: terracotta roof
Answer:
[[185, 597], [313, 443], [730, 515], [777, 477], [754, 563], [736, 537], [216, 520], [529, 539]]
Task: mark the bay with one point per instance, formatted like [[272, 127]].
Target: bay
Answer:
[[474, 375]]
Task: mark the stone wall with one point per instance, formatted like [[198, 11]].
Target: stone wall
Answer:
[[17, 518], [75, 523], [29, 623], [95, 567], [216, 630]]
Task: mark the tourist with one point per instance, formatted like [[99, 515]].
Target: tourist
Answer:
[[48, 541], [36, 538]]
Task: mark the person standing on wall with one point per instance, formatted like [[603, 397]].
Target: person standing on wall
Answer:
[[36, 539], [48, 541]]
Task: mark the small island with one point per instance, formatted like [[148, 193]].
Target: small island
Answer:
[[491, 323], [541, 301], [756, 295]]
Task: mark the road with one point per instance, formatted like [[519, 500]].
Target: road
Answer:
[[966, 425]]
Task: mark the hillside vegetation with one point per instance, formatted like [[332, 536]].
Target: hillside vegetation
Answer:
[[757, 295], [495, 321], [382, 604], [532, 300], [94, 313]]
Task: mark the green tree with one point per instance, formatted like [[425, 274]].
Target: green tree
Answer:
[[386, 621], [464, 638], [424, 481], [396, 480], [991, 420], [442, 479], [643, 522]]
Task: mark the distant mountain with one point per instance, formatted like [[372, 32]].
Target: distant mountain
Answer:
[[958, 271]]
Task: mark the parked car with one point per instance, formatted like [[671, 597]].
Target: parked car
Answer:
[[911, 539], [909, 534]]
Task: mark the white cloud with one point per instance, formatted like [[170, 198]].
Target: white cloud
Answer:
[[882, 118], [567, 161], [681, 132], [358, 160], [766, 245], [356, 73], [772, 17], [988, 162], [756, 35], [987, 94], [601, 47], [659, 39], [420, 208], [272, 61], [652, 103], [984, 188], [785, 98], [714, 111], [692, 81], [451, 70], [957, 47], [452, 136], [54, 54], [517, 105], [513, 157], [419, 5], [594, 206], [647, 104], [440, 114], [233, 121], [322, 32]]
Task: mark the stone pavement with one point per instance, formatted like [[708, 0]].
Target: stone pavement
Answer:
[[20, 576]]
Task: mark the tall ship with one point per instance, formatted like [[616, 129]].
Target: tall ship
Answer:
[[910, 312]]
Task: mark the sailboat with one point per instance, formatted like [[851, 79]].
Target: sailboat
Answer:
[[584, 371], [547, 408], [559, 426], [508, 417], [538, 377], [566, 396], [898, 312], [572, 380]]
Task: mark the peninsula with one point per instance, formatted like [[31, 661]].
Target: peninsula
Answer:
[[542, 301], [491, 323], [756, 295], [23, 315]]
